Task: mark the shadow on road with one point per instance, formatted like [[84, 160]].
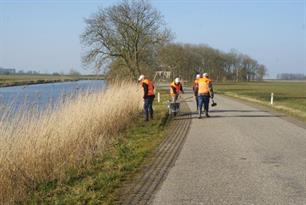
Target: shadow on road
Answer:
[[191, 115], [216, 116], [212, 111]]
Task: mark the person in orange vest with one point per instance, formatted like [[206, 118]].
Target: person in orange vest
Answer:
[[195, 89], [205, 91], [175, 89], [148, 96]]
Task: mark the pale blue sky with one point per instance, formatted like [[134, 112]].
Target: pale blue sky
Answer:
[[44, 34]]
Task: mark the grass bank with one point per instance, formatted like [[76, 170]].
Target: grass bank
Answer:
[[15, 80], [99, 180], [38, 147], [289, 97]]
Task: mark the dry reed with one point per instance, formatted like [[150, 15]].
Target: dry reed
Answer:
[[36, 147]]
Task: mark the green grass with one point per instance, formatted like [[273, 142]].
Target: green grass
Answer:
[[97, 182], [291, 95], [12, 80]]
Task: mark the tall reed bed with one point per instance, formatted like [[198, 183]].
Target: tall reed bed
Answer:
[[36, 146]]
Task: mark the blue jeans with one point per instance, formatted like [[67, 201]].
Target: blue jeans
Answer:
[[148, 107], [203, 100]]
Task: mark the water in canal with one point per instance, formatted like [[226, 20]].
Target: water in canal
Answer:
[[43, 95]]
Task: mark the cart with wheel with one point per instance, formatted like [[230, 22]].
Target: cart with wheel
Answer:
[[174, 108]]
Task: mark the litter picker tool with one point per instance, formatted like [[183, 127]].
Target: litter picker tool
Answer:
[[213, 104]]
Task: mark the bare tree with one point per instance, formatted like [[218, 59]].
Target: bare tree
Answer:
[[130, 32]]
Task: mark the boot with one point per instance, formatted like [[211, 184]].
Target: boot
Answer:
[[200, 113], [147, 116], [151, 115], [206, 114]]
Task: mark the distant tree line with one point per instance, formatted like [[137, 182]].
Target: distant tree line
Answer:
[[291, 76], [130, 38], [30, 72], [187, 60], [7, 71], [11, 71]]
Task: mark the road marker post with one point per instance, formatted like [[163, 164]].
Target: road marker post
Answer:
[[272, 96]]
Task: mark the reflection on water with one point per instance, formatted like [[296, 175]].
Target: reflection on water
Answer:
[[43, 95]]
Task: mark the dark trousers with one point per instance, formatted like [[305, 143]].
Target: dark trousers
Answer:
[[148, 107], [203, 100]]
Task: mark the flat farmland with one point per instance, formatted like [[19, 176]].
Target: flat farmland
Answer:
[[289, 96]]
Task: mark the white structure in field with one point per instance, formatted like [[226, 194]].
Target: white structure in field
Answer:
[[162, 75], [159, 76]]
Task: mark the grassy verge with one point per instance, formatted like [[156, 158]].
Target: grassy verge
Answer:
[[96, 183], [289, 97], [15, 80]]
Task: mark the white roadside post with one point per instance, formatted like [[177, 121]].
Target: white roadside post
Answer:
[[272, 96], [158, 97]]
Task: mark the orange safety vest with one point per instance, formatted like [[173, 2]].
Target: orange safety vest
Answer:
[[177, 88], [150, 87], [203, 85]]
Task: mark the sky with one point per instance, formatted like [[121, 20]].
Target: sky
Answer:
[[44, 35]]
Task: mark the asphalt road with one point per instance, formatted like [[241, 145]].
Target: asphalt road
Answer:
[[240, 155]]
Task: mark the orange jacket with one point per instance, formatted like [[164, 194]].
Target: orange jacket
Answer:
[[175, 88], [204, 85], [148, 88]]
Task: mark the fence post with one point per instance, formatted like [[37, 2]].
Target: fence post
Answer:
[[272, 96], [158, 97]]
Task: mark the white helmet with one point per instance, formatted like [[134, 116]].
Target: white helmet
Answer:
[[177, 80], [205, 74], [198, 76], [141, 77]]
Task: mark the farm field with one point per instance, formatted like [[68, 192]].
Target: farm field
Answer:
[[289, 96]]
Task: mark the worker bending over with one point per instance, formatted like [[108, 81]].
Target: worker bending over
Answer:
[[205, 91], [148, 96], [175, 89]]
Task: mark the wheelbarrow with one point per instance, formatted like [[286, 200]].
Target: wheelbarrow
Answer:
[[174, 108]]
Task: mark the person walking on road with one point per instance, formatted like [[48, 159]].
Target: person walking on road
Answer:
[[205, 91], [195, 88], [148, 96], [175, 89]]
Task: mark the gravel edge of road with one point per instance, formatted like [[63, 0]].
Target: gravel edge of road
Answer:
[[142, 187]]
